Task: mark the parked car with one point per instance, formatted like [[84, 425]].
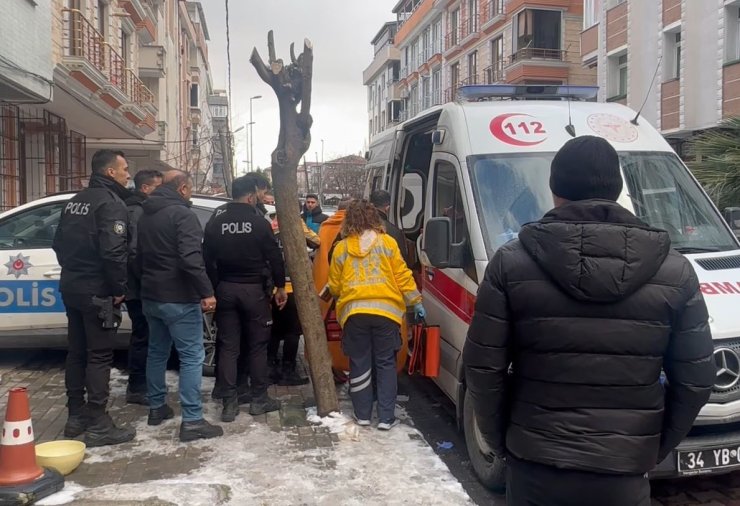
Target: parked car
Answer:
[[31, 310]]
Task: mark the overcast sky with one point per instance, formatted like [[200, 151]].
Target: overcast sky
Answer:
[[340, 31]]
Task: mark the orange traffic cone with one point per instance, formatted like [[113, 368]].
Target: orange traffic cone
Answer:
[[20, 478]]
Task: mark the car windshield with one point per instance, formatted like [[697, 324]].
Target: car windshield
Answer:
[[513, 189]]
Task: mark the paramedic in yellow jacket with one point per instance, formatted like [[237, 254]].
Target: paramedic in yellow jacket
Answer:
[[373, 287]]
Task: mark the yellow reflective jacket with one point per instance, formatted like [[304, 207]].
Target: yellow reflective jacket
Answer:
[[369, 276]]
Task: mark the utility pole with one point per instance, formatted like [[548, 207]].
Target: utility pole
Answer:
[[227, 156]]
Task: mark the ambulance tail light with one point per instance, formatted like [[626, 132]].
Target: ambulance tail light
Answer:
[[477, 93]]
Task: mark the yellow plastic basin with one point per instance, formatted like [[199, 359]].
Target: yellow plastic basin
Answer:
[[64, 455]]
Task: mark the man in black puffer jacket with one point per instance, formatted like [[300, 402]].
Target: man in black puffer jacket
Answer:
[[587, 307]]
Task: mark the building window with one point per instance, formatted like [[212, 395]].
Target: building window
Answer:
[[672, 56], [125, 48], [732, 47], [473, 68], [427, 44], [454, 80], [591, 13], [193, 95], [195, 136], [472, 16], [414, 55], [218, 111], [437, 37], [538, 34], [102, 18], [454, 27], [618, 76], [437, 87], [426, 93], [495, 72]]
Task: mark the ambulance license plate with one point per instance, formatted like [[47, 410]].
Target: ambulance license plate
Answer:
[[708, 460]]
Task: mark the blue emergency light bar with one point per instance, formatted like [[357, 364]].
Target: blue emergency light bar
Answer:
[[475, 93]]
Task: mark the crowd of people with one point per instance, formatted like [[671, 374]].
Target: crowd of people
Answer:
[[146, 249]]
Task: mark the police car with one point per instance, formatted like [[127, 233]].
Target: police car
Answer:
[[31, 310]]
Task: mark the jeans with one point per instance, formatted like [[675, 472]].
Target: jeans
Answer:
[[371, 343], [183, 325], [89, 355]]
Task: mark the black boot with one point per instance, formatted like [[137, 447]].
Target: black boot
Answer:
[[290, 376], [199, 429], [159, 415], [274, 373], [231, 409], [77, 421], [103, 432], [263, 404]]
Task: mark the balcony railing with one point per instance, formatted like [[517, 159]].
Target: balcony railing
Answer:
[[494, 73], [469, 26], [491, 9], [82, 40], [535, 53]]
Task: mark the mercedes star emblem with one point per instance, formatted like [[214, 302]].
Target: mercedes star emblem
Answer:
[[728, 368]]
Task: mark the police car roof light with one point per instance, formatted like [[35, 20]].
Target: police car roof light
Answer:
[[475, 93]]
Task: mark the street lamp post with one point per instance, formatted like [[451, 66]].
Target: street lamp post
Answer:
[[251, 138]]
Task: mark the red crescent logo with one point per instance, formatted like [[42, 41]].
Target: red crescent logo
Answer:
[[497, 129]]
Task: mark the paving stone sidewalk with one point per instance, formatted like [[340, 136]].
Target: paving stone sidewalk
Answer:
[[276, 458]]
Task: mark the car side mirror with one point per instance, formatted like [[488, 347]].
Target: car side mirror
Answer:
[[438, 246]]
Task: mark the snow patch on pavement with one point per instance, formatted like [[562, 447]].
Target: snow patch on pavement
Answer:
[[253, 464]]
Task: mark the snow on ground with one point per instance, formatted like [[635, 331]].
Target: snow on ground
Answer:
[[252, 464]]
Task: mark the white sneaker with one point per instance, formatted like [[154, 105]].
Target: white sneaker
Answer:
[[360, 422], [388, 425]]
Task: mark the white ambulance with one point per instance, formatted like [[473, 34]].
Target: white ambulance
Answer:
[[465, 176]]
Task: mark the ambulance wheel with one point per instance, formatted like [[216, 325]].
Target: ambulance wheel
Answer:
[[491, 471]]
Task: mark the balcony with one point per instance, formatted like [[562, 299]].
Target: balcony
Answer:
[[534, 53], [99, 67], [469, 30], [590, 44], [492, 11], [670, 105], [494, 73], [387, 54], [152, 61], [142, 16]]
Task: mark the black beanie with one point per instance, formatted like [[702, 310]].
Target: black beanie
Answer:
[[586, 167]]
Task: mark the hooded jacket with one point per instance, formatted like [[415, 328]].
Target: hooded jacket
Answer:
[[170, 250], [367, 275], [135, 212], [587, 307], [91, 240], [314, 218]]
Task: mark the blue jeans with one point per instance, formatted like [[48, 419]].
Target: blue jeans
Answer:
[[183, 325]]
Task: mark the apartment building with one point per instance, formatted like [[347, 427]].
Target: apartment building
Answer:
[[218, 104], [96, 74], [445, 44], [660, 53], [384, 103]]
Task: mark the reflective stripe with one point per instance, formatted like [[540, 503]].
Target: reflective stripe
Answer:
[[362, 304], [339, 259], [358, 388], [411, 296], [361, 378], [17, 433]]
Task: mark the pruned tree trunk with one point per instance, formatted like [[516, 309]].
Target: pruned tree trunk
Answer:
[[292, 85]]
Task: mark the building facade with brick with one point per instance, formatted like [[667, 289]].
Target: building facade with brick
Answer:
[[445, 44], [94, 74], [660, 53]]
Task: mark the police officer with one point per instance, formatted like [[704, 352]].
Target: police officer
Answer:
[[238, 246], [91, 247]]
